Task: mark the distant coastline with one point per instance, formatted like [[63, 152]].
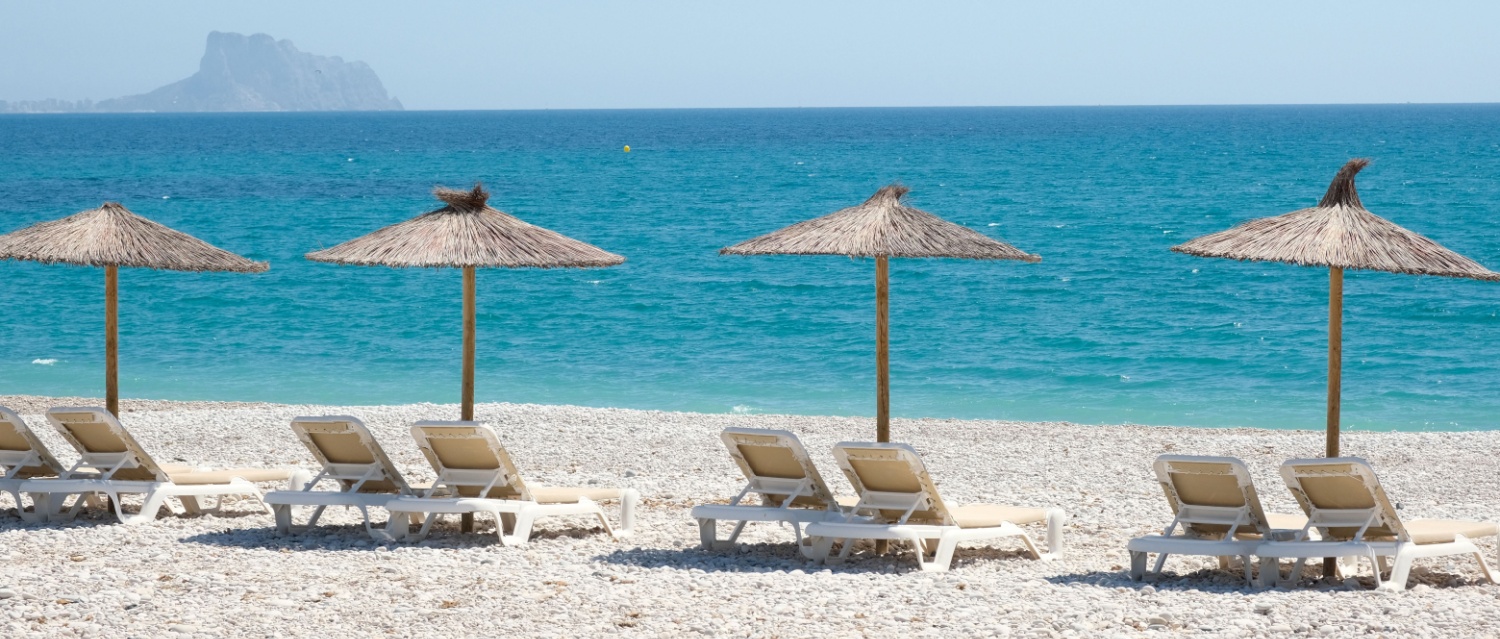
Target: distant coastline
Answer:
[[241, 73]]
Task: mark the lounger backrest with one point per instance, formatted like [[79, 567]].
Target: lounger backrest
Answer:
[[467, 457], [776, 465], [349, 454], [104, 444], [22, 455], [1341, 495], [891, 479], [1211, 495]]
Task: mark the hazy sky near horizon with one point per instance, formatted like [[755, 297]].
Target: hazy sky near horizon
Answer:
[[471, 54]]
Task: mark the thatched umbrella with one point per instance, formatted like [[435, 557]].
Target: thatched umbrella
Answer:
[[883, 227], [111, 236], [467, 234], [1340, 234]]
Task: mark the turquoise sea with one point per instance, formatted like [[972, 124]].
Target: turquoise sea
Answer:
[[1111, 327]]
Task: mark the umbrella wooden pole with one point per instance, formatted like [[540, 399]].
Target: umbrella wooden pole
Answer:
[[112, 339], [466, 520], [1335, 355], [882, 362], [882, 350], [1335, 369], [469, 325]]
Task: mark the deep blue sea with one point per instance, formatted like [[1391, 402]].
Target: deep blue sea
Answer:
[[1111, 327]]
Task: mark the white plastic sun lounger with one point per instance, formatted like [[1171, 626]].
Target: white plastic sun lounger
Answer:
[[123, 467], [1344, 501], [779, 472], [894, 486], [354, 464], [1216, 512], [472, 465], [23, 457]]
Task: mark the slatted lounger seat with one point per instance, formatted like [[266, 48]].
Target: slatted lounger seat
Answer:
[[479, 475], [354, 465], [1346, 504], [1215, 512], [781, 485], [894, 486], [112, 463], [23, 457]]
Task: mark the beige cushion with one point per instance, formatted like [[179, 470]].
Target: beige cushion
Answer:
[[847, 501], [991, 515], [558, 495], [1441, 531], [203, 477]]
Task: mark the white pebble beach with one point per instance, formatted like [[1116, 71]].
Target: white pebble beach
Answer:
[[232, 575]]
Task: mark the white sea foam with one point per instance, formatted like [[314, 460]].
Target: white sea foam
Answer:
[[45, 362], [742, 409]]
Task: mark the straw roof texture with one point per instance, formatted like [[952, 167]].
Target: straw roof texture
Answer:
[[466, 232], [882, 226], [1340, 233], [112, 235]]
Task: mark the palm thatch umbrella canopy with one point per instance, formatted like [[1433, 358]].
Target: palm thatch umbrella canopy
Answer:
[[1338, 234], [883, 227], [110, 237], [467, 234]]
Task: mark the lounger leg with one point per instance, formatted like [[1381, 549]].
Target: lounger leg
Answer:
[[426, 527], [1137, 565], [522, 533], [21, 507], [942, 559], [608, 529], [283, 515], [1401, 570], [466, 522], [318, 513], [1484, 567], [1056, 519], [397, 527], [708, 533], [152, 501], [734, 536], [848, 548], [1031, 548], [69, 513], [1161, 560], [604, 522], [1249, 571], [500, 533], [1374, 566], [190, 504], [819, 550], [42, 508], [1270, 572], [628, 499]]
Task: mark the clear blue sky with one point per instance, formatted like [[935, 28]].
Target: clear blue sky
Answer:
[[521, 55]]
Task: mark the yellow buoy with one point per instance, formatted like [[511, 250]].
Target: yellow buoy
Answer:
[[627, 148]]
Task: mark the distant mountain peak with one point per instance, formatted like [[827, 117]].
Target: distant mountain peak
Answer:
[[252, 73]]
